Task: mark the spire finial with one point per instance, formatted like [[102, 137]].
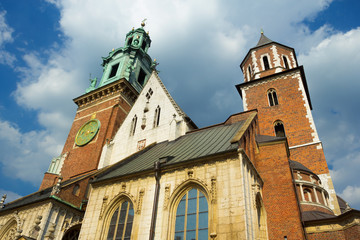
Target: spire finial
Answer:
[[262, 31], [143, 22]]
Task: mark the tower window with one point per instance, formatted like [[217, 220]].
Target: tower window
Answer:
[[272, 96], [286, 62], [143, 46], [249, 72], [114, 69], [266, 63], [76, 190], [157, 117], [141, 78], [279, 129], [129, 41], [133, 125]]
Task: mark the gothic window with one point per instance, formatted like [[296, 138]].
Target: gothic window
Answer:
[[133, 125], [286, 62], [143, 46], [272, 96], [157, 117], [121, 222], [72, 233], [279, 129], [266, 63], [192, 216], [114, 69]]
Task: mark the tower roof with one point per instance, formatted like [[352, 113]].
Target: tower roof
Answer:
[[263, 40]]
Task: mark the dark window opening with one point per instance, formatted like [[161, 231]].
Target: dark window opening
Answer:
[[286, 62], [76, 190], [129, 41], [143, 46], [141, 78], [279, 129], [133, 126], [249, 69], [157, 117], [266, 63], [272, 96], [114, 69]]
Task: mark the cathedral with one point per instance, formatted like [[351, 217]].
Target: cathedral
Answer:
[[135, 166]]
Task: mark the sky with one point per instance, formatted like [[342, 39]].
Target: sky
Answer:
[[49, 48]]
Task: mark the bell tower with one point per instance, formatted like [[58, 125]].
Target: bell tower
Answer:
[[103, 108], [275, 85]]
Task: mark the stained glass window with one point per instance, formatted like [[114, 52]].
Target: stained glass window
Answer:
[[121, 222], [192, 217]]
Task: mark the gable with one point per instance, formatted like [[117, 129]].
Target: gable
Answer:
[[155, 117]]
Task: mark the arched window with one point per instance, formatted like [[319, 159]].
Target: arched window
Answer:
[[9, 230], [72, 233], [272, 96], [129, 41], [192, 216], [266, 63], [249, 72], [133, 125], [121, 222], [286, 62], [279, 129], [307, 195], [157, 117]]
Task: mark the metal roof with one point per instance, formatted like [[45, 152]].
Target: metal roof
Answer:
[[193, 145], [263, 40]]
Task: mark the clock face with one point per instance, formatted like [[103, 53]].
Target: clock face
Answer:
[[87, 132]]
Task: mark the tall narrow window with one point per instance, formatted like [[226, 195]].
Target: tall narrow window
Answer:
[[266, 63], [143, 46], [279, 129], [249, 73], [141, 77], [133, 125], [192, 216], [286, 62], [114, 69], [129, 41], [121, 222], [157, 117], [272, 96]]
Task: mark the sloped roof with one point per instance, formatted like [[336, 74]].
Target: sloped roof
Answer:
[[298, 166], [263, 40], [194, 145], [315, 215]]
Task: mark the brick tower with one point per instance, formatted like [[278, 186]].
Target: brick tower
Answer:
[[102, 109], [275, 85]]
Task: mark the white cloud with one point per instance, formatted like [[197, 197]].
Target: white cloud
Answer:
[[5, 37], [351, 194], [25, 156]]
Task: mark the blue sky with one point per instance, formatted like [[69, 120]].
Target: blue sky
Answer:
[[49, 48]]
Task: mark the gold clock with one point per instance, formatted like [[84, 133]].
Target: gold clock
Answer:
[[87, 132]]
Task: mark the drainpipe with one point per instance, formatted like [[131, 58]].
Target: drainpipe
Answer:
[[157, 168], [298, 201]]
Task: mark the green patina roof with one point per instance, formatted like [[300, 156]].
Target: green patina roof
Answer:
[[192, 146]]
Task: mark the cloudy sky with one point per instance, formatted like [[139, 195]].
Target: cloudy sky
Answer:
[[48, 49]]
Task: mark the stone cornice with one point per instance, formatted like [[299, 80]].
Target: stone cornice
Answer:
[[122, 86]]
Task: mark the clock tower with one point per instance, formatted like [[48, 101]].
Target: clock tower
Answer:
[[103, 108]]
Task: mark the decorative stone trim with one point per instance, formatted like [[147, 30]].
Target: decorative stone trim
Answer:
[[103, 206], [140, 200], [108, 90], [213, 190], [167, 195]]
